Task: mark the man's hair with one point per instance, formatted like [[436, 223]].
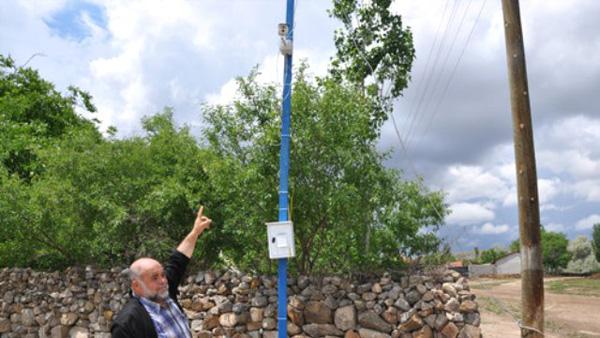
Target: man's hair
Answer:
[[133, 273]]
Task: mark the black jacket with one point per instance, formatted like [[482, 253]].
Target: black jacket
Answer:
[[133, 320]]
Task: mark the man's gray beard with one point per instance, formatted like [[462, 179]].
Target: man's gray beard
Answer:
[[155, 297]]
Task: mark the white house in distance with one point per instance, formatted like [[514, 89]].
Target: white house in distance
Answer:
[[507, 265]]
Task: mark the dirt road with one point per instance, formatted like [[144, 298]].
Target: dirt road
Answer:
[[565, 315]]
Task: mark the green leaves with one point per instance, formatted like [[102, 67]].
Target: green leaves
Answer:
[[32, 114], [71, 196], [596, 241], [373, 49], [349, 211], [492, 255], [554, 250]]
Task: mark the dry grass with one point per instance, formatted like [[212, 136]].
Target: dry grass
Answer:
[[487, 283], [576, 286]]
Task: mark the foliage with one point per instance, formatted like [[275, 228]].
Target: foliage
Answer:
[[515, 246], [439, 258], [554, 250], [583, 260], [33, 113], [491, 255], [69, 196], [349, 211], [373, 45], [596, 241], [580, 247], [119, 199]]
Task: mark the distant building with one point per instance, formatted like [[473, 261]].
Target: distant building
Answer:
[[455, 264], [507, 265], [476, 270], [459, 267]]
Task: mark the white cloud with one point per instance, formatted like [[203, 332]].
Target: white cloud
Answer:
[[154, 19], [510, 199], [42, 8], [225, 96], [576, 162], [270, 71], [96, 32], [469, 213], [145, 55], [507, 171], [587, 189], [569, 146], [550, 206], [490, 229], [134, 76], [548, 189], [464, 183], [588, 222], [556, 227]]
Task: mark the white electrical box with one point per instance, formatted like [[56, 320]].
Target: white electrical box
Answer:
[[281, 239]]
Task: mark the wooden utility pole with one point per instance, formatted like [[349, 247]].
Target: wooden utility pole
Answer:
[[532, 270]]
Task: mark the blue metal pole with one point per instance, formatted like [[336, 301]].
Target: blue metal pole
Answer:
[[284, 163]]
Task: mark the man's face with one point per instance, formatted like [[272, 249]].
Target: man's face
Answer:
[[152, 282]]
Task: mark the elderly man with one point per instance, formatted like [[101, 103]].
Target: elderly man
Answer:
[[153, 310]]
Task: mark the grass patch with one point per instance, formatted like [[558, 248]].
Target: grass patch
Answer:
[[575, 286], [580, 335], [563, 330], [489, 304], [486, 285], [498, 307]]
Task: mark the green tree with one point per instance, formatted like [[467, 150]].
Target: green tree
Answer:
[[554, 250], [373, 44], [107, 201], [515, 246], [69, 196], [580, 247], [492, 255], [33, 113], [439, 258], [348, 210], [582, 256], [596, 241]]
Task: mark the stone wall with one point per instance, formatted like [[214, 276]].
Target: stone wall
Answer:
[[82, 302], [477, 270]]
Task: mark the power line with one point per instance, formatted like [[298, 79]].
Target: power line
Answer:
[[438, 213], [428, 75], [426, 68], [442, 97], [404, 143], [443, 65]]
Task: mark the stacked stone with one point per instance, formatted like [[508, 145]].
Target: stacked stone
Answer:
[[244, 306], [81, 303], [73, 303]]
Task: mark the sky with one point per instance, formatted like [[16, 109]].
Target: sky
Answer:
[[453, 122]]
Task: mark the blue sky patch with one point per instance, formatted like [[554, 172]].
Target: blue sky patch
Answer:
[[68, 22]]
